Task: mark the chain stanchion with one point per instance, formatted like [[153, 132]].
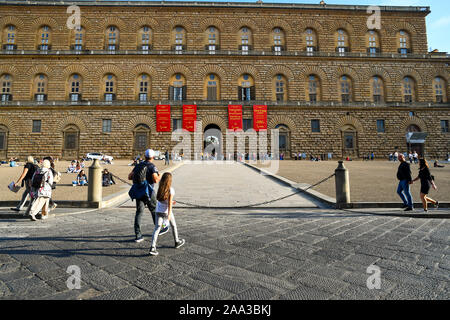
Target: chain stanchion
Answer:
[[250, 205]]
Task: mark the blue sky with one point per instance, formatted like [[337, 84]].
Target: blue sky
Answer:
[[438, 22]]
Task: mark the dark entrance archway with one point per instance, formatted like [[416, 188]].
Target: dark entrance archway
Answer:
[[212, 141]]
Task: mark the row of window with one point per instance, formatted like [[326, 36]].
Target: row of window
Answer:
[[247, 124], [246, 90], [212, 39]]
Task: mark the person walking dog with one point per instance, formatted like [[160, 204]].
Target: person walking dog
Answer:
[[405, 180], [164, 212]]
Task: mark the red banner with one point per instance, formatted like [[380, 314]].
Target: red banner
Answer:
[[259, 117], [235, 117], [189, 117], [163, 118]]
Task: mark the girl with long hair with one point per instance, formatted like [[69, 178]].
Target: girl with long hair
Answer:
[[426, 182], [164, 212]]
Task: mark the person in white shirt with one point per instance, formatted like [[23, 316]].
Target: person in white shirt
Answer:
[[164, 212], [42, 192]]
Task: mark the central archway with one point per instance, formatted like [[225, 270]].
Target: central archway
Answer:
[[212, 141]]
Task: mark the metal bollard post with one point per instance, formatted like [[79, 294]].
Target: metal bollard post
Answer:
[[95, 182], [342, 186]]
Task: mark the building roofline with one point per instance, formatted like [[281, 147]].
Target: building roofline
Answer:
[[209, 4]]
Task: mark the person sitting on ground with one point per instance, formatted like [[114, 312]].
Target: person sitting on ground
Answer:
[[82, 165], [77, 167], [72, 167], [437, 165], [81, 179], [107, 178]]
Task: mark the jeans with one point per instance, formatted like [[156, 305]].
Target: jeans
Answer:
[[404, 192], [25, 196], [140, 206], [158, 226]]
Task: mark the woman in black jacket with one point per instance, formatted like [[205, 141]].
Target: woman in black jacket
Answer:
[[426, 182]]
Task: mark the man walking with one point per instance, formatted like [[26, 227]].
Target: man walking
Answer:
[[403, 190], [25, 181], [167, 159], [145, 170]]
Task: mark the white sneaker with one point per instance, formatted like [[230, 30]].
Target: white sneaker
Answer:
[[44, 217]]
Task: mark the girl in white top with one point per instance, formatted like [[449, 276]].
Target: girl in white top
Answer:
[[164, 211]]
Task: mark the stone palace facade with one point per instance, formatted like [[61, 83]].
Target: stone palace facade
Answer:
[[330, 84]]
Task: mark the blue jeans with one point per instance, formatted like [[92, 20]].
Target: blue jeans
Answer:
[[404, 192]]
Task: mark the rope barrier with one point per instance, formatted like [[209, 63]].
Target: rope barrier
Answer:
[[250, 205]]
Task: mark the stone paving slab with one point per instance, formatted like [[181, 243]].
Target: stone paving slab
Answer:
[[257, 254]]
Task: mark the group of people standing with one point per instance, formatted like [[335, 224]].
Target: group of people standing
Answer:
[[39, 183], [406, 180]]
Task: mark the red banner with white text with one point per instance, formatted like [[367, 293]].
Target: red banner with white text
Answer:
[[235, 117], [189, 117], [163, 118], [259, 117]]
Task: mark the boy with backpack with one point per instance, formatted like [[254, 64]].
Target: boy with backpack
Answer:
[[144, 176], [41, 190]]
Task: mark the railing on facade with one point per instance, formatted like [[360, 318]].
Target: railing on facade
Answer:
[[226, 53], [222, 103]]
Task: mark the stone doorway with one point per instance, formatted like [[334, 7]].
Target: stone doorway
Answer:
[[212, 141]]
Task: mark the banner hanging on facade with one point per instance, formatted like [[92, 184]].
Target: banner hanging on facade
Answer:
[[189, 117], [163, 118], [259, 117], [235, 117]]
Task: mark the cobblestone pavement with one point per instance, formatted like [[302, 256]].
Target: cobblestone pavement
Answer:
[[251, 254]]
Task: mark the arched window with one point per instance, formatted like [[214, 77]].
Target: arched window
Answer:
[[109, 87], [145, 39], [278, 41], [377, 89], [141, 135], [179, 39], [313, 88], [40, 87], [9, 38], [372, 42], [77, 40], [404, 42], [280, 87], [345, 86], [311, 41], [246, 88], [440, 88], [75, 86], [44, 38], [342, 41], [245, 40], [177, 88], [112, 38], [6, 87], [143, 86], [212, 87], [212, 39], [409, 90]]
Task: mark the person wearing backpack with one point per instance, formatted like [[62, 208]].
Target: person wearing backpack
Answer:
[[25, 179], [144, 176], [41, 190]]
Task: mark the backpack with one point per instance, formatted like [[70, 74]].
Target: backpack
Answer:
[[38, 180], [140, 173]]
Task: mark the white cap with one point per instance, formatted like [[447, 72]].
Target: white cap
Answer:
[[149, 153]]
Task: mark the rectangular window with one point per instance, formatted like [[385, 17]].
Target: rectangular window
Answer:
[[178, 93], [74, 97], [345, 98], [109, 97], [2, 140], [106, 127], [381, 126], [40, 97], [177, 124], [247, 124], [36, 126], [315, 125], [70, 141], [376, 98], [211, 93], [408, 99], [142, 97], [440, 99], [444, 126]]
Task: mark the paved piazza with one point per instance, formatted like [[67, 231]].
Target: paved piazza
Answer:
[[264, 253]]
